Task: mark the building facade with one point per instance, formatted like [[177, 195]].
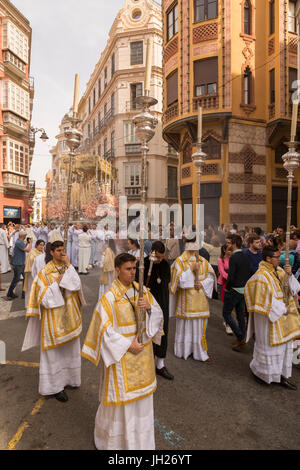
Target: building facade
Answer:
[[17, 92], [238, 61], [39, 206], [109, 105]]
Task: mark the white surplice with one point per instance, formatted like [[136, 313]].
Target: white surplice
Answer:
[[84, 252], [4, 245], [60, 366], [269, 363]]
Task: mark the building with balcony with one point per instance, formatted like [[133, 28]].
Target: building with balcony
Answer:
[[17, 92], [39, 206], [238, 60], [109, 105]]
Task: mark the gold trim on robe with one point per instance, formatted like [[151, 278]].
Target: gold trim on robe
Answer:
[[133, 378], [259, 292], [60, 325], [191, 304], [28, 265]]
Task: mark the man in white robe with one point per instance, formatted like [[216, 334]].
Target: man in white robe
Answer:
[[189, 302], [124, 420], [4, 246], [37, 251], [54, 312], [274, 320], [84, 251], [75, 246]]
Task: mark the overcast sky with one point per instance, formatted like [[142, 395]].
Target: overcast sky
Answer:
[[67, 38]]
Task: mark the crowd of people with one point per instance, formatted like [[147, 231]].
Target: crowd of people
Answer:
[[246, 270]]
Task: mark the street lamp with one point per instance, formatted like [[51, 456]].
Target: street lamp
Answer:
[[43, 137]]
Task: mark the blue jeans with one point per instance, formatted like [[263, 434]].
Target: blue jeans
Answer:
[[235, 300], [18, 270]]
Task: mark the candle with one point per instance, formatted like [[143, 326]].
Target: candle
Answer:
[[294, 121], [148, 64], [199, 124], [76, 94]]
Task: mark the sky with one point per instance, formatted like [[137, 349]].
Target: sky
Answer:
[[68, 37]]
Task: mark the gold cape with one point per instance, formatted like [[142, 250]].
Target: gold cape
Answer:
[[133, 377], [60, 325], [28, 265], [259, 292], [191, 304], [108, 265]]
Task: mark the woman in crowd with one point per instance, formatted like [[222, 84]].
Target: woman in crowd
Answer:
[[223, 268]]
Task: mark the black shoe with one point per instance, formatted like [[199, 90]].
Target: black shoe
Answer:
[[164, 373], [12, 297], [61, 396], [258, 380], [286, 383]]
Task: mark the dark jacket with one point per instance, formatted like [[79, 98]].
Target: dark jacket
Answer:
[[239, 270]]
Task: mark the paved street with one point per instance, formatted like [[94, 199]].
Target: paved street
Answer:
[[216, 406]]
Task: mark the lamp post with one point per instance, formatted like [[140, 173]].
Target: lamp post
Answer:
[[145, 124], [199, 158], [43, 137], [73, 137]]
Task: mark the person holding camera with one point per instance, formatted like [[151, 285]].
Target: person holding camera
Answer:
[[18, 263]]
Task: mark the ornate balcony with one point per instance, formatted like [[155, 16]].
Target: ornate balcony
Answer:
[[171, 112], [15, 181], [132, 149], [14, 123], [210, 101], [133, 192]]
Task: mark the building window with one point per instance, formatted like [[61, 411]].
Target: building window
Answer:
[[15, 156], [113, 64], [99, 150], [247, 17], [205, 10], [172, 22], [136, 89], [172, 182], [112, 143], [136, 53], [187, 153], [132, 175], [112, 104], [247, 99], [172, 88], [279, 151], [206, 76], [105, 147], [292, 22], [272, 16], [90, 106], [94, 97], [15, 99], [14, 40], [212, 148], [105, 77], [272, 86], [293, 75], [129, 133], [99, 87]]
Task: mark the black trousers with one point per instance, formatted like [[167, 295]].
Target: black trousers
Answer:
[[161, 351]]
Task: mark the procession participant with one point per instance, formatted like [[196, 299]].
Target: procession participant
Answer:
[[92, 232], [134, 248], [41, 261], [39, 248], [158, 284], [100, 243], [54, 312], [69, 242], [4, 246], [30, 234], [84, 251], [18, 262], [192, 308], [75, 247], [55, 235], [124, 420], [107, 265], [274, 320], [172, 246], [42, 233]]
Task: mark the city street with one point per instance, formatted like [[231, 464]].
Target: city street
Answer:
[[207, 406]]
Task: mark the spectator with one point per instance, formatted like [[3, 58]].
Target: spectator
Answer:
[[239, 273], [223, 268], [294, 259], [296, 236], [18, 262], [172, 246], [280, 231], [254, 252]]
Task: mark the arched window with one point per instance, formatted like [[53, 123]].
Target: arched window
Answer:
[[247, 86], [212, 148], [187, 153], [247, 17], [279, 151]]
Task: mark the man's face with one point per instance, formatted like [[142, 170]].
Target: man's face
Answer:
[[228, 243], [274, 260], [126, 273], [40, 247], [280, 231], [256, 245], [58, 254], [159, 257]]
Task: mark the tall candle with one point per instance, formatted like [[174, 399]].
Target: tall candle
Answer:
[[76, 94], [148, 64], [199, 124], [294, 120]]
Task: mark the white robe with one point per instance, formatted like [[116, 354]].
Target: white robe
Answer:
[[189, 332], [60, 366], [84, 252], [130, 426], [75, 247], [269, 363], [4, 245]]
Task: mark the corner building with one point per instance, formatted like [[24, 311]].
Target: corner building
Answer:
[[17, 92], [238, 60]]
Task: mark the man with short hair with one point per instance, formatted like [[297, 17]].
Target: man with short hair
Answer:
[[54, 312], [124, 420], [238, 275], [274, 319], [18, 263], [253, 252], [157, 281]]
